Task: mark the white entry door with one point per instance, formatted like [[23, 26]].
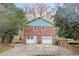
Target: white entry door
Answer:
[[46, 40], [31, 39]]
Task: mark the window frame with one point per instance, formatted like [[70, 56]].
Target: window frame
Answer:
[[30, 37], [43, 28], [34, 28]]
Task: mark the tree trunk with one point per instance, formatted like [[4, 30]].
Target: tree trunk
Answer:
[[10, 39], [3, 38]]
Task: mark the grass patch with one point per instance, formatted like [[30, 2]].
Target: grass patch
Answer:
[[4, 47]]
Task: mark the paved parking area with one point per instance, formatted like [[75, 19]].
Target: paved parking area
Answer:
[[36, 50]]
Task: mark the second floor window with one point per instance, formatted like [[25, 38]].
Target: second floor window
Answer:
[[34, 28], [44, 29]]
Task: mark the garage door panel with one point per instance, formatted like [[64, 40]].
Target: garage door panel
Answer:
[[46, 40], [32, 40]]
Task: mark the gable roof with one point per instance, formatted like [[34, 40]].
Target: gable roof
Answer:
[[39, 22]]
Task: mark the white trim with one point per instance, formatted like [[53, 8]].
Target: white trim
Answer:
[[31, 41], [46, 40]]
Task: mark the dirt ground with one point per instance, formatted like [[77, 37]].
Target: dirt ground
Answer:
[[5, 47], [74, 50], [37, 50]]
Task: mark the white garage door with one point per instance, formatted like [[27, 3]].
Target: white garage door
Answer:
[[31, 40], [46, 40]]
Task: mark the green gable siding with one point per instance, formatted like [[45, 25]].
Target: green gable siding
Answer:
[[39, 22]]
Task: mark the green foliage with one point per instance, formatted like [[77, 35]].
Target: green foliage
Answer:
[[11, 21], [67, 20]]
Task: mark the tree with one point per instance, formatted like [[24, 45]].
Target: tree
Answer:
[[11, 21], [39, 10], [67, 20]]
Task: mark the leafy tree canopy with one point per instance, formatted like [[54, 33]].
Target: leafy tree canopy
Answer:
[[67, 20], [11, 20]]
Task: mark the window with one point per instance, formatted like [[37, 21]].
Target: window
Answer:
[[30, 37], [34, 28], [43, 28]]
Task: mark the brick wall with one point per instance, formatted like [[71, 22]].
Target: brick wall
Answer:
[[39, 32]]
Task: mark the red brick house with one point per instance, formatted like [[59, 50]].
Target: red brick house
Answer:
[[39, 31]]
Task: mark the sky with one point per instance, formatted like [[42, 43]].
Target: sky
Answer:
[[23, 5]]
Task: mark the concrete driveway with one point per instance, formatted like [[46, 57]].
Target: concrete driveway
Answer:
[[36, 50]]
